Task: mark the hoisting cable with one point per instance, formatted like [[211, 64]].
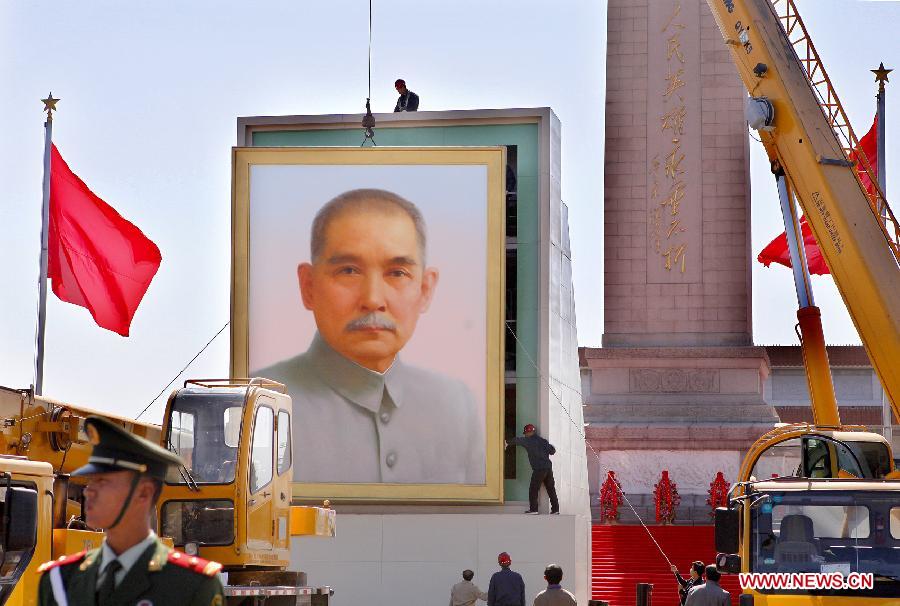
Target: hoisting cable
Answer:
[[580, 431], [368, 121], [180, 372]]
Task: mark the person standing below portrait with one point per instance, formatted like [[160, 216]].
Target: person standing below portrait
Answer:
[[466, 592], [554, 595], [362, 414], [124, 478], [539, 451], [408, 101], [507, 587], [695, 578], [709, 593]]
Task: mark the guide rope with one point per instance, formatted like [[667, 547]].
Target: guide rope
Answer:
[[580, 431], [181, 372]]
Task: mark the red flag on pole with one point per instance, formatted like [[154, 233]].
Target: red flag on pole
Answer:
[[97, 259], [868, 145], [776, 251]]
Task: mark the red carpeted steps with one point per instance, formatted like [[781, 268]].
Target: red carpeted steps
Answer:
[[623, 556]]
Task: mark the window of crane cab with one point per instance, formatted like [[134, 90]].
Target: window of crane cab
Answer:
[[782, 460], [262, 449], [181, 434], [828, 458], [284, 441], [15, 521], [875, 456], [204, 429], [232, 420], [825, 521], [817, 463], [895, 522]]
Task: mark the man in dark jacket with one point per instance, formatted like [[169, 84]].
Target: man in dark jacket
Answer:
[[696, 578], [539, 451], [507, 587], [408, 101]]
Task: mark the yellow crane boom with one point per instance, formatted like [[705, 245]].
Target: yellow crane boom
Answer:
[[44, 429], [811, 138]]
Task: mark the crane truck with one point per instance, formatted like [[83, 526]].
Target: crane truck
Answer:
[[820, 497], [230, 502]]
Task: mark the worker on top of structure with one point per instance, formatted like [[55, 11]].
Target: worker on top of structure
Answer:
[[408, 101], [124, 477]]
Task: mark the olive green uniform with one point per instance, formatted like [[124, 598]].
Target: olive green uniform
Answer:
[[154, 580], [160, 576]]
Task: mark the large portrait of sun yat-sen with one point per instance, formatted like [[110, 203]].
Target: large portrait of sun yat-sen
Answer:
[[369, 281]]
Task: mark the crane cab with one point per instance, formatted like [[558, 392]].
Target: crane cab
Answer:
[[808, 451], [231, 500], [26, 503]]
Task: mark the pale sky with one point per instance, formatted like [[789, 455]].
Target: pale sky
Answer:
[[150, 92]]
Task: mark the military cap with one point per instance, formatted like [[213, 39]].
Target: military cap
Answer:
[[115, 449]]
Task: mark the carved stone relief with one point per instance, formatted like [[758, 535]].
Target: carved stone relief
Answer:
[[673, 380]]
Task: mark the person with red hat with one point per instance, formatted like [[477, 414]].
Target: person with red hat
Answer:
[[408, 101], [507, 587], [539, 451]]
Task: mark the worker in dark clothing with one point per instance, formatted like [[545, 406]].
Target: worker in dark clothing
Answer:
[[507, 587], [695, 579], [408, 101], [539, 451]]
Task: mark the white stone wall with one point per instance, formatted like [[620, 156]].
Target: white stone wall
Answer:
[[692, 471], [414, 560], [562, 416], [852, 387]]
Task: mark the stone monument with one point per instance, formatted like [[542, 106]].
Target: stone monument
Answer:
[[677, 384]]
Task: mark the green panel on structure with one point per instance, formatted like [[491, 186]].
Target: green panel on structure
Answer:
[[525, 137], [528, 215]]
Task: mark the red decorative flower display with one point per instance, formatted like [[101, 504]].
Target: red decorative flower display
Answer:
[[718, 493], [665, 493], [610, 498]]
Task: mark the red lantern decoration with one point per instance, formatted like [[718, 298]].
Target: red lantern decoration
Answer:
[[718, 493], [610, 498], [666, 496]]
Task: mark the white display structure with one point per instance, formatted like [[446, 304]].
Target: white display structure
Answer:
[[404, 554]]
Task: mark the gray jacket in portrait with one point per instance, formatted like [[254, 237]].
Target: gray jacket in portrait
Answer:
[[354, 425]]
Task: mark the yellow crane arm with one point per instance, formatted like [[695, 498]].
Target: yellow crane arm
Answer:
[[43, 429], [812, 140]]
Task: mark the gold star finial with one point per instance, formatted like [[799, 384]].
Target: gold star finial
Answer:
[[881, 75], [50, 106]]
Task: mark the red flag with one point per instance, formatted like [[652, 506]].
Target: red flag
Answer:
[[777, 250], [868, 145], [97, 259]]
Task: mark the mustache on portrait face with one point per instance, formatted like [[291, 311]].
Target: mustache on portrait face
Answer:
[[372, 320]]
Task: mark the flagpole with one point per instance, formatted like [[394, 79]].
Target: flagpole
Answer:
[[49, 107], [881, 76]]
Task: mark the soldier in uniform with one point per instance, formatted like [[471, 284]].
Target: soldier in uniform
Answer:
[[124, 477]]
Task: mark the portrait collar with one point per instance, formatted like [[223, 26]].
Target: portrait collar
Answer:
[[356, 383]]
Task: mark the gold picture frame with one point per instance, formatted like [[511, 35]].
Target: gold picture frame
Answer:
[[494, 160]]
